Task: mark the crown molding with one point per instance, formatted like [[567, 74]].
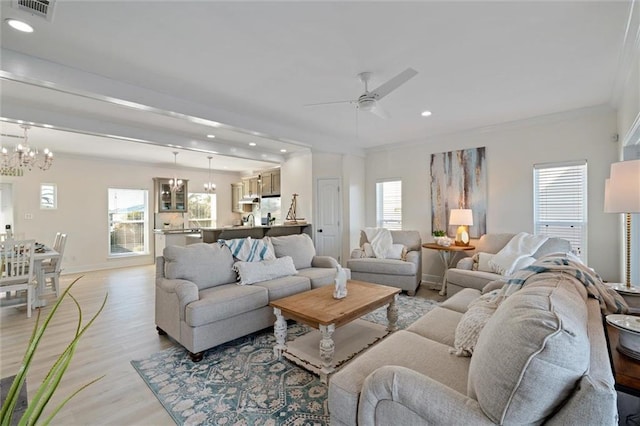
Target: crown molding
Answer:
[[630, 53]]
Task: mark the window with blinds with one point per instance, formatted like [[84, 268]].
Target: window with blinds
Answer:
[[389, 204], [560, 203]]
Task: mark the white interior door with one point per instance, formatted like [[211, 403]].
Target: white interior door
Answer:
[[328, 238]]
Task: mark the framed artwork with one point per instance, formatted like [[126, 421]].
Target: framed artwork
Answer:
[[459, 181]]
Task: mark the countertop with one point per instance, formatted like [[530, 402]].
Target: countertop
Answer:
[[176, 231], [226, 228]]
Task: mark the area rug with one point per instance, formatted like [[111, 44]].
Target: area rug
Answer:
[[240, 382]]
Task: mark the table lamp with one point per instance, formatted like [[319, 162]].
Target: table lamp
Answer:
[[622, 195], [463, 218]]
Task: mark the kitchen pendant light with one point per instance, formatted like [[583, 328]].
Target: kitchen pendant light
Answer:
[[209, 187], [175, 184]]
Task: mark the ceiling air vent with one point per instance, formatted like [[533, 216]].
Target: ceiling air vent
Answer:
[[41, 8]]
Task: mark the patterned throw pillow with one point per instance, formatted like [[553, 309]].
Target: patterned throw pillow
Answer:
[[471, 324]]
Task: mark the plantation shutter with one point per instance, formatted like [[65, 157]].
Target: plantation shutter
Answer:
[[389, 204], [560, 203]]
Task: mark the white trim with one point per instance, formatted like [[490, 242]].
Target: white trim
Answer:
[[632, 137], [630, 52]]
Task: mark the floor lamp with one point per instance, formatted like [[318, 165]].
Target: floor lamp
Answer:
[[622, 195]]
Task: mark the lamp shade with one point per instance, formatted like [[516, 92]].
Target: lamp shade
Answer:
[[461, 217], [622, 189]]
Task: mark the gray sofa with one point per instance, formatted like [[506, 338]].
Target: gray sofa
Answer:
[[199, 304], [464, 275], [405, 274], [541, 358]]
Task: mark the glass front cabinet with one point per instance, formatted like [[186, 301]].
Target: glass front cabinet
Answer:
[[170, 201]]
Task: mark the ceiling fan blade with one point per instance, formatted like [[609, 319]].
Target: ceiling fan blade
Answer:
[[379, 111], [330, 103], [391, 85]]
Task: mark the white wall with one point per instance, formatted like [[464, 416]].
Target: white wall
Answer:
[[354, 200], [512, 150], [82, 205], [295, 177]]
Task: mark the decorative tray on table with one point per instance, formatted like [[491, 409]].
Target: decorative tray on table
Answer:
[[629, 335], [623, 289]]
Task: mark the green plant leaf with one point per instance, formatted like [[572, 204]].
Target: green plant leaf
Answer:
[[51, 382]]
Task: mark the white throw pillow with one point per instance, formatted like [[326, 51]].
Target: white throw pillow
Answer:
[[471, 324], [483, 262], [396, 251], [253, 272], [368, 250]]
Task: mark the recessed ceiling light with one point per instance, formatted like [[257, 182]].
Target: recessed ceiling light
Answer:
[[252, 144], [19, 25], [283, 150], [211, 136], [426, 113]]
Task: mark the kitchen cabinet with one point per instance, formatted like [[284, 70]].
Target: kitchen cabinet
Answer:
[[170, 201], [236, 195], [250, 187], [270, 183]]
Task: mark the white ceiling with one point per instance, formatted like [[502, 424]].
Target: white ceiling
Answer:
[[253, 65]]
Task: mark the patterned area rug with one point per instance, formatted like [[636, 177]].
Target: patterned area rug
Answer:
[[240, 382]]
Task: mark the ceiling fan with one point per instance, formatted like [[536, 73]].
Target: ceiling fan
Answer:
[[368, 101]]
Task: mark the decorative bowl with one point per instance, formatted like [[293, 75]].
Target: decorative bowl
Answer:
[[629, 334]]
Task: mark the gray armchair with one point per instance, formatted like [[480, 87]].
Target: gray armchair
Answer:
[[404, 274]]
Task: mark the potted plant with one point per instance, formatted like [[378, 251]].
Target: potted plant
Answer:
[[45, 391], [441, 238]]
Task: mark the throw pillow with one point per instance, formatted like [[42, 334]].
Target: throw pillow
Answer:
[[368, 250], [471, 324], [483, 262], [253, 272], [299, 247], [395, 252], [250, 249]]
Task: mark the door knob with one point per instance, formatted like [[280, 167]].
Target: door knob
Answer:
[[319, 230]]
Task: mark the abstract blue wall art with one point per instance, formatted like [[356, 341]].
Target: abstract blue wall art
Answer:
[[459, 181]]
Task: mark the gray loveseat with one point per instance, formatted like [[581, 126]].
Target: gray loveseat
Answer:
[[541, 358], [199, 304], [405, 274], [464, 275]]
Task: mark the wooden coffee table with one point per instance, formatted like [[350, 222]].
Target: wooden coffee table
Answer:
[[318, 309]]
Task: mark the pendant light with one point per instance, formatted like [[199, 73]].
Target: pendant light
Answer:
[[175, 184], [209, 187]]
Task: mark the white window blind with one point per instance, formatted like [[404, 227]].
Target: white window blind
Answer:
[[560, 203], [389, 204]]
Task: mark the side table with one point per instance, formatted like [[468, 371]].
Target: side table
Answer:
[[631, 295], [447, 258], [626, 371]]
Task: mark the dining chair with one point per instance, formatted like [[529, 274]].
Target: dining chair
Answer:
[[53, 268], [17, 273]]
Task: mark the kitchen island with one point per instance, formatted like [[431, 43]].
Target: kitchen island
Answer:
[[211, 235]]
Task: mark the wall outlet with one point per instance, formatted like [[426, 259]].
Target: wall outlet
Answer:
[[28, 216]]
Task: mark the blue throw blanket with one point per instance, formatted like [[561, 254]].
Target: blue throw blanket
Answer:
[[250, 250], [610, 301]]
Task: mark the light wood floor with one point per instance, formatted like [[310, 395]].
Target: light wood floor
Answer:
[[123, 332]]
